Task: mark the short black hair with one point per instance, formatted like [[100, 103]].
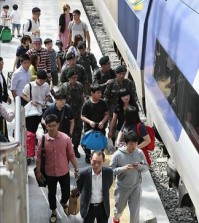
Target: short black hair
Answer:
[[60, 94], [76, 11], [15, 6], [51, 118], [130, 137], [41, 74], [48, 40], [6, 7], [24, 57], [99, 153], [36, 9], [1, 58], [25, 38], [95, 87]]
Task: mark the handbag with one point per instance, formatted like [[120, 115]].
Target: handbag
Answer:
[[94, 140], [42, 183], [30, 109], [74, 202]]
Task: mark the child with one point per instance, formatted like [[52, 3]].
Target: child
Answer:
[[16, 20], [54, 60], [5, 16], [127, 163]]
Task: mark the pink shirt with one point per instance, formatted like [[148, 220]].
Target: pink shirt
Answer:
[[59, 151]]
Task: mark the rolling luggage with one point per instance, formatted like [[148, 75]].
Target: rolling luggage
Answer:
[[6, 35], [30, 144]]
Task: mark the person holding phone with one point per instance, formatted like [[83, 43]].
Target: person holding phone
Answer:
[[127, 163]]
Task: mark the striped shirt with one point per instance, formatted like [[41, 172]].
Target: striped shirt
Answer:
[[44, 63]]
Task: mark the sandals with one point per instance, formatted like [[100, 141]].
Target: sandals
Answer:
[[53, 218]]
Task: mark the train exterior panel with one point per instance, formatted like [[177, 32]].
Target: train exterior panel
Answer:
[[171, 75], [165, 46], [112, 29], [113, 9]]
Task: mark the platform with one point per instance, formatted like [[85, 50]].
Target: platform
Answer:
[[38, 204]]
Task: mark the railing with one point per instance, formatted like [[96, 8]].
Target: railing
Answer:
[[13, 175]]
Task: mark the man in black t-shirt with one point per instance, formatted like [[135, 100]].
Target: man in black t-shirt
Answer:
[[94, 114], [63, 112]]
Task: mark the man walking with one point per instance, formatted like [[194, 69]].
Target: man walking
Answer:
[[21, 77], [78, 27], [58, 153], [127, 163], [94, 114], [94, 183], [4, 97], [31, 27]]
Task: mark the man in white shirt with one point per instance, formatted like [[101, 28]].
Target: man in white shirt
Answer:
[[21, 77], [94, 183], [37, 92], [76, 27], [31, 27]]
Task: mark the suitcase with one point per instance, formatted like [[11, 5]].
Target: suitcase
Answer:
[[30, 144], [6, 35]]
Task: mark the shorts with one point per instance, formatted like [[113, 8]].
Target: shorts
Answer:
[[18, 26]]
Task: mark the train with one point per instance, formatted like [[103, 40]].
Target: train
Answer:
[[158, 41]]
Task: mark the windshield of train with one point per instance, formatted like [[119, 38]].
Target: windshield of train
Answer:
[[179, 93]]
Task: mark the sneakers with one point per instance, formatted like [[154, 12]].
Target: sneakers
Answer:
[[77, 154], [116, 221], [53, 218], [65, 207]]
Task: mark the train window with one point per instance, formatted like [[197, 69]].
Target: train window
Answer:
[[178, 91]]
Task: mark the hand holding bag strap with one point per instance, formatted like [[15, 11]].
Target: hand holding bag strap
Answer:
[[62, 117]]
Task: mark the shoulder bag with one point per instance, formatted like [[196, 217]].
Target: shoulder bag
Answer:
[[42, 167], [30, 109]]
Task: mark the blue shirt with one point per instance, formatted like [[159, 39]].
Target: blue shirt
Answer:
[[20, 78]]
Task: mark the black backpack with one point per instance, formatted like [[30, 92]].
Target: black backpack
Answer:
[[30, 25]]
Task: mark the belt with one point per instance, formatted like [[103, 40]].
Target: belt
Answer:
[[96, 204]]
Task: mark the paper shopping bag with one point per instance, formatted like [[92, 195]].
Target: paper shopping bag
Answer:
[[74, 202]]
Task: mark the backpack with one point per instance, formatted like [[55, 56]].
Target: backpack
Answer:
[[151, 133], [30, 25]]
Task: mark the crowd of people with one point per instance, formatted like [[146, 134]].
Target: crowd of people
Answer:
[[88, 97]]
